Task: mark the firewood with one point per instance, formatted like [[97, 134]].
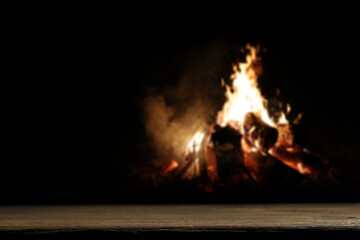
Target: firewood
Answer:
[[258, 133], [311, 165], [286, 135], [228, 151], [266, 169], [256, 164]]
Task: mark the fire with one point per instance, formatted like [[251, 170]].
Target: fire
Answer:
[[244, 96], [246, 111], [193, 145], [261, 139], [172, 166]]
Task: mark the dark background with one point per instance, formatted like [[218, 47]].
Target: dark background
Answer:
[[75, 132]]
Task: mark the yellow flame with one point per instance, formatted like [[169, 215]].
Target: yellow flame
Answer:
[[302, 169], [193, 145], [288, 108], [244, 96]]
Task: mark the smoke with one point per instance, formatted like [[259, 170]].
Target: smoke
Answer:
[[174, 114]]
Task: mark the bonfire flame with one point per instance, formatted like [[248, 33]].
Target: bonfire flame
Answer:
[[244, 96], [262, 135], [244, 102], [193, 145]]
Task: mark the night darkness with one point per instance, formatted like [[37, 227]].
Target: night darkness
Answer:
[[76, 132]]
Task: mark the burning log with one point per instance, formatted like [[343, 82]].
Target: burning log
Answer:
[[292, 133], [269, 170], [210, 162], [256, 165], [314, 166], [288, 149], [259, 134], [228, 151], [292, 157], [286, 135], [261, 141], [256, 162]]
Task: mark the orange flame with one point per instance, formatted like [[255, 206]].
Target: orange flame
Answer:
[[244, 96], [172, 166]]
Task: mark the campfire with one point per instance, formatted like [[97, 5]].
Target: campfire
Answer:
[[250, 139]]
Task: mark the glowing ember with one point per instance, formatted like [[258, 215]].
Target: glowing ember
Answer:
[[292, 157], [172, 166]]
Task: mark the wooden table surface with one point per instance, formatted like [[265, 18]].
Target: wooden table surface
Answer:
[[180, 218]]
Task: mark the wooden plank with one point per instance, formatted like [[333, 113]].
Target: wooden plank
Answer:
[[181, 218]]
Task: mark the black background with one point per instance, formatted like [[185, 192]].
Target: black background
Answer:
[[75, 128]]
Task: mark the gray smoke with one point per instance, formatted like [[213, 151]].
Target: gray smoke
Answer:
[[176, 113]]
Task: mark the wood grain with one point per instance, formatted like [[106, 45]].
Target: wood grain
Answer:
[[181, 218]]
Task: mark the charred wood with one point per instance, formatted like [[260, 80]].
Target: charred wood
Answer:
[[258, 133], [228, 151], [311, 165]]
